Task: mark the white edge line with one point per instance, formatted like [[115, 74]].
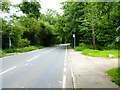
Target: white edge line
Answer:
[[8, 70], [73, 77]]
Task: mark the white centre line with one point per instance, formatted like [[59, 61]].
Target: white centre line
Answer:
[[8, 70], [40, 55], [64, 64], [64, 81], [33, 58], [64, 76], [65, 69]]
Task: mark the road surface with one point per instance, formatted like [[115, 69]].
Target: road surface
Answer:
[[44, 68]]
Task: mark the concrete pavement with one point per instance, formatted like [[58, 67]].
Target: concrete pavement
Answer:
[[89, 71]]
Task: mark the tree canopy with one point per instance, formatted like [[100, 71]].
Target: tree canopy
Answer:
[[91, 22]]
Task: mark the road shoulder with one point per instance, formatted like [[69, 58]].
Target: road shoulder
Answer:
[[90, 71]]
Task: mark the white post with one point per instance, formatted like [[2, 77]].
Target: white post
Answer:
[[10, 40], [74, 39]]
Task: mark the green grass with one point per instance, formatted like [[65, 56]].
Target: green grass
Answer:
[[18, 50], [24, 49], [98, 53], [115, 75]]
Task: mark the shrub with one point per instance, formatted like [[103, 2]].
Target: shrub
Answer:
[[82, 46], [2, 53], [24, 49]]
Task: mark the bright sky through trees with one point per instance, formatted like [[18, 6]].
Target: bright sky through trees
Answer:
[[52, 4]]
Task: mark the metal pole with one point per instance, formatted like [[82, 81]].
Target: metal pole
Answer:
[[74, 42]]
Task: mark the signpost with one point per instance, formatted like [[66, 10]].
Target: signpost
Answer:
[[74, 39]]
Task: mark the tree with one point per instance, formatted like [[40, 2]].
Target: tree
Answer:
[[32, 8], [5, 5], [82, 18]]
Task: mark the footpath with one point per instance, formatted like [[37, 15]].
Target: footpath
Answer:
[[90, 72]]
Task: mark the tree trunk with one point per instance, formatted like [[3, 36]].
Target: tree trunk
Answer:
[[93, 35]]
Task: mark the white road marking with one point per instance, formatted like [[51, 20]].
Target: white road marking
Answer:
[[8, 70], [27, 60], [64, 63], [33, 58], [73, 77], [22, 87], [64, 81], [65, 69], [64, 76], [41, 54], [60, 81]]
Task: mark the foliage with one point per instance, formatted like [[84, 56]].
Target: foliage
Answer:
[[25, 49], [47, 34], [2, 54], [115, 75], [48, 29], [82, 47], [15, 31], [5, 5], [32, 9], [77, 19]]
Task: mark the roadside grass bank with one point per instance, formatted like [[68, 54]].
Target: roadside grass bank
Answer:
[[87, 50], [7, 52], [114, 75], [98, 53]]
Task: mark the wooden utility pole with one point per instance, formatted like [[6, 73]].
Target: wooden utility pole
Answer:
[[93, 35]]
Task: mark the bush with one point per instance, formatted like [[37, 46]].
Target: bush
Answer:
[[24, 49], [82, 46], [2, 53], [112, 46], [24, 42], [47, 35]]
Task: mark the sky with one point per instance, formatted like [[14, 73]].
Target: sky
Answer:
[[45, 4]]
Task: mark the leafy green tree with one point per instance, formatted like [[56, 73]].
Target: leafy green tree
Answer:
[[47, 34], [5, 5], [15, 30], [32, 8], [82, 18]]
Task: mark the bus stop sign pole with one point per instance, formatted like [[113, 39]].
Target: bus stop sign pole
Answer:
[[74, 39]]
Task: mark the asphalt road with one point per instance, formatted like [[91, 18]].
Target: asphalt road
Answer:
[[45, 68]]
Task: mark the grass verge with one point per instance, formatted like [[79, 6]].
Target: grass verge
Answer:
[[18, 50], [115, 75], [98, 53], [87, 50]]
